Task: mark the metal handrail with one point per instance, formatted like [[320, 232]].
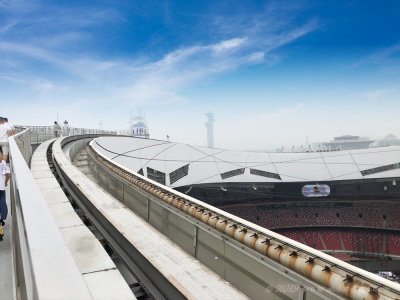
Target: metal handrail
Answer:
[[40, 134], [44, 266], [258, 238], [23, 141]]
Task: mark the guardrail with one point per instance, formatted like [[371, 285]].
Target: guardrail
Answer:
[[23, 141], [39, 134], [157, 202], [44, 266]]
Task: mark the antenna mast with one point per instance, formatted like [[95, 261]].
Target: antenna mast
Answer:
[[140, 117]]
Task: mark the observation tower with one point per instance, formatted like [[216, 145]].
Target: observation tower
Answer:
[[210, 129]]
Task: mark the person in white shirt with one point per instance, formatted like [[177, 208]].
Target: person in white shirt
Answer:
[[56, 129], [4, 177], [5, 132], [10, 125]]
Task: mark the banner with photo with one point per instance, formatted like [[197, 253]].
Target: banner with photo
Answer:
[[139, 131], [322, 190]]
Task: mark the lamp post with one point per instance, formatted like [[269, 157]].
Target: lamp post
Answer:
[[66, 128]]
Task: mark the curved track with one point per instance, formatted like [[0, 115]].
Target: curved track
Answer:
[[163, 268]]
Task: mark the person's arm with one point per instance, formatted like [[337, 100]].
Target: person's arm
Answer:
[[7, 178], [9, 133]]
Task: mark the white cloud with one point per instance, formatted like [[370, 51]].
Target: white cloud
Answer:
[[224, 45], [383, 57], [250, 40], [11, 79], [382, 54], [7, 27], [183, 68], [282, 111], [39, 84], [161, 81], [43, 85], [373, 95]]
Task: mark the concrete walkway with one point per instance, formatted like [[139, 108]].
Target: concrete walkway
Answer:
[[7, 284], [101, 275]]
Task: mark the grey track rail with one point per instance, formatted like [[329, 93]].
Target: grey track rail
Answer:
[[158, 287]]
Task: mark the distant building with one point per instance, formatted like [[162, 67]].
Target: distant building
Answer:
[[140, 130], [210, 130], [347, 142], [389, 140], [138, 125]]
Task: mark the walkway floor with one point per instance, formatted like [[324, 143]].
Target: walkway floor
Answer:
[[7, 289]]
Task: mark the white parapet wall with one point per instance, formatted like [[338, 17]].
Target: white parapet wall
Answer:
[[102, 277]]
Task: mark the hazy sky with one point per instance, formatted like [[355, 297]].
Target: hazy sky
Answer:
[[272, 72]]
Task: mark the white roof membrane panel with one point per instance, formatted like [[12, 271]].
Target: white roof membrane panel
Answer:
[[236, 158], [313, 169], [256, 159], [177, 156], [103, 151], [117, 145], [338, 158], [293, 157], [153, 151], [207, 164], [340, 170], [130, 163], [201, 170], [377, 158]]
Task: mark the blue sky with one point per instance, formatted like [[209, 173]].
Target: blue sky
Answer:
[[273, 72]]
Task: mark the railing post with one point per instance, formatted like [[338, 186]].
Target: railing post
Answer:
[[195, 241]]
